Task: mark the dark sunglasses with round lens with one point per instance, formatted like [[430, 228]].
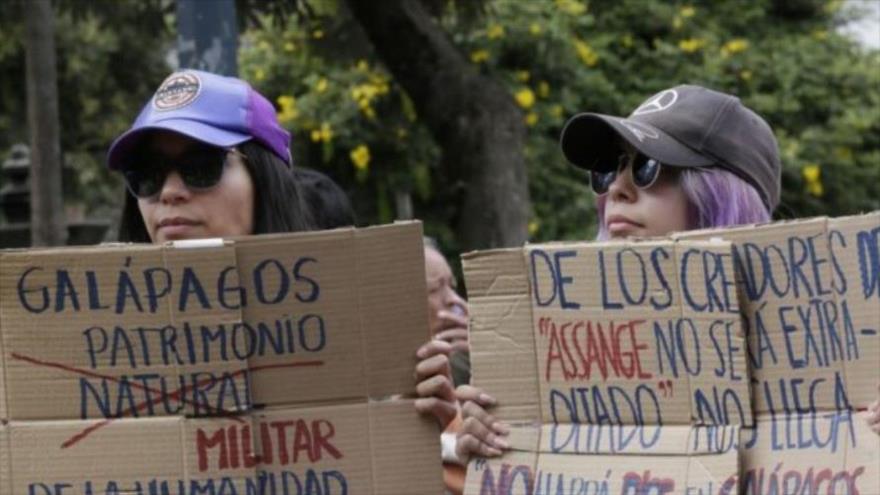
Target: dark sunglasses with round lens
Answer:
[[200, 168], [645, 171]]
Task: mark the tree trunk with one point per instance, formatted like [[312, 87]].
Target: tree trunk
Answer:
[[47, 203], [472, 117]]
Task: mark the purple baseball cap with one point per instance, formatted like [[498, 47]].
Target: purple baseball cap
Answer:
[[217, 110]]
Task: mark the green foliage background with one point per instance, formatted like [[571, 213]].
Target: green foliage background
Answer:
[[784, 58], [110, 57], [819, 90]]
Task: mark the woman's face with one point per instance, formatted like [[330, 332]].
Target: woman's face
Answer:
[[658, 210], [178, 212]]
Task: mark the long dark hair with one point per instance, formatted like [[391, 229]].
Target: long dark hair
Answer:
[[278, 201]]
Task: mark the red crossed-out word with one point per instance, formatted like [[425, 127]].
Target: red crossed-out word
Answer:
[[157, 394]]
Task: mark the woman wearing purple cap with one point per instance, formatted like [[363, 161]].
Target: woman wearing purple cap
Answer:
[[686, 158], [206, 157]]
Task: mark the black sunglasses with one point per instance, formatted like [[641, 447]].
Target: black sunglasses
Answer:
[[645, 171], [200, 168]]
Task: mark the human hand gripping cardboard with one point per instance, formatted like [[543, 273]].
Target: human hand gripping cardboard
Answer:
[[481, 434], [435, 390], [874, 413], [453, 327], [434, 373]]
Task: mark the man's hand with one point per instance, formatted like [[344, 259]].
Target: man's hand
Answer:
[[481, 434], [435, 390]]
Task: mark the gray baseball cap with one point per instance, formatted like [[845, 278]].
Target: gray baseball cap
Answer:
[[684, 126]]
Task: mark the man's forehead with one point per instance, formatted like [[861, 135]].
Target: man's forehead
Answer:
[[436, 265]]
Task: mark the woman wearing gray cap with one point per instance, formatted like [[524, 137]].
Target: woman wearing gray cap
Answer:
[[686, 158]]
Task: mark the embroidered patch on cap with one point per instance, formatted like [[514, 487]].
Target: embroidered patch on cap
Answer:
[[177, 91]]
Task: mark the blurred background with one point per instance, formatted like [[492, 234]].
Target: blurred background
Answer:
[[448, 111]]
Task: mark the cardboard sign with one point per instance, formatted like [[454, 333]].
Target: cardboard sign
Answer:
[[651, 367], [257, 365], [601, 353], [810, 293]]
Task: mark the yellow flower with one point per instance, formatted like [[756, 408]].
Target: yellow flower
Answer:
[[479, 56], [586, 53], [556, 111], [543, 89], [571, 7], [317, 34], [813, 178], [522, 75], [535, 29], [745, 75], [259, 74], [531, 119], [286, 101], [362, 65], [321, 85], [734, 46], [324, 133], [691, 45], [288, 112], [289, 47], [525, 98], [360, 157], [534, 225], [495, 32], [687, 11], [677, 23]]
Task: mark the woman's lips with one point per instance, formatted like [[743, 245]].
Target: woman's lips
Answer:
[[619, 224], [176, 227]]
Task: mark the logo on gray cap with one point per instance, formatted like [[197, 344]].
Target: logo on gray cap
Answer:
[[639, 130], [659, 102]]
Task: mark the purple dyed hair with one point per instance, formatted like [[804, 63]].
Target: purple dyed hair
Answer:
[[716, 198]]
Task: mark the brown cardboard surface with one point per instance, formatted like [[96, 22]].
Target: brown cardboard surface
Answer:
[[307, 339], [814, 370], [95, 350], [603, 353], [361, 448], [833, 452], [4, 459], [805, 298], [502, 344], [682, 466], [815, 287]]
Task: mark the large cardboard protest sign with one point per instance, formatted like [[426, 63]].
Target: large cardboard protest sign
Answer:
[[257, 365], [716, 362], [612, 351], [810, 294]]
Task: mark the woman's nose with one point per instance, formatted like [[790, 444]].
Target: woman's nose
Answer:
[[173, 189], [622, 188]]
